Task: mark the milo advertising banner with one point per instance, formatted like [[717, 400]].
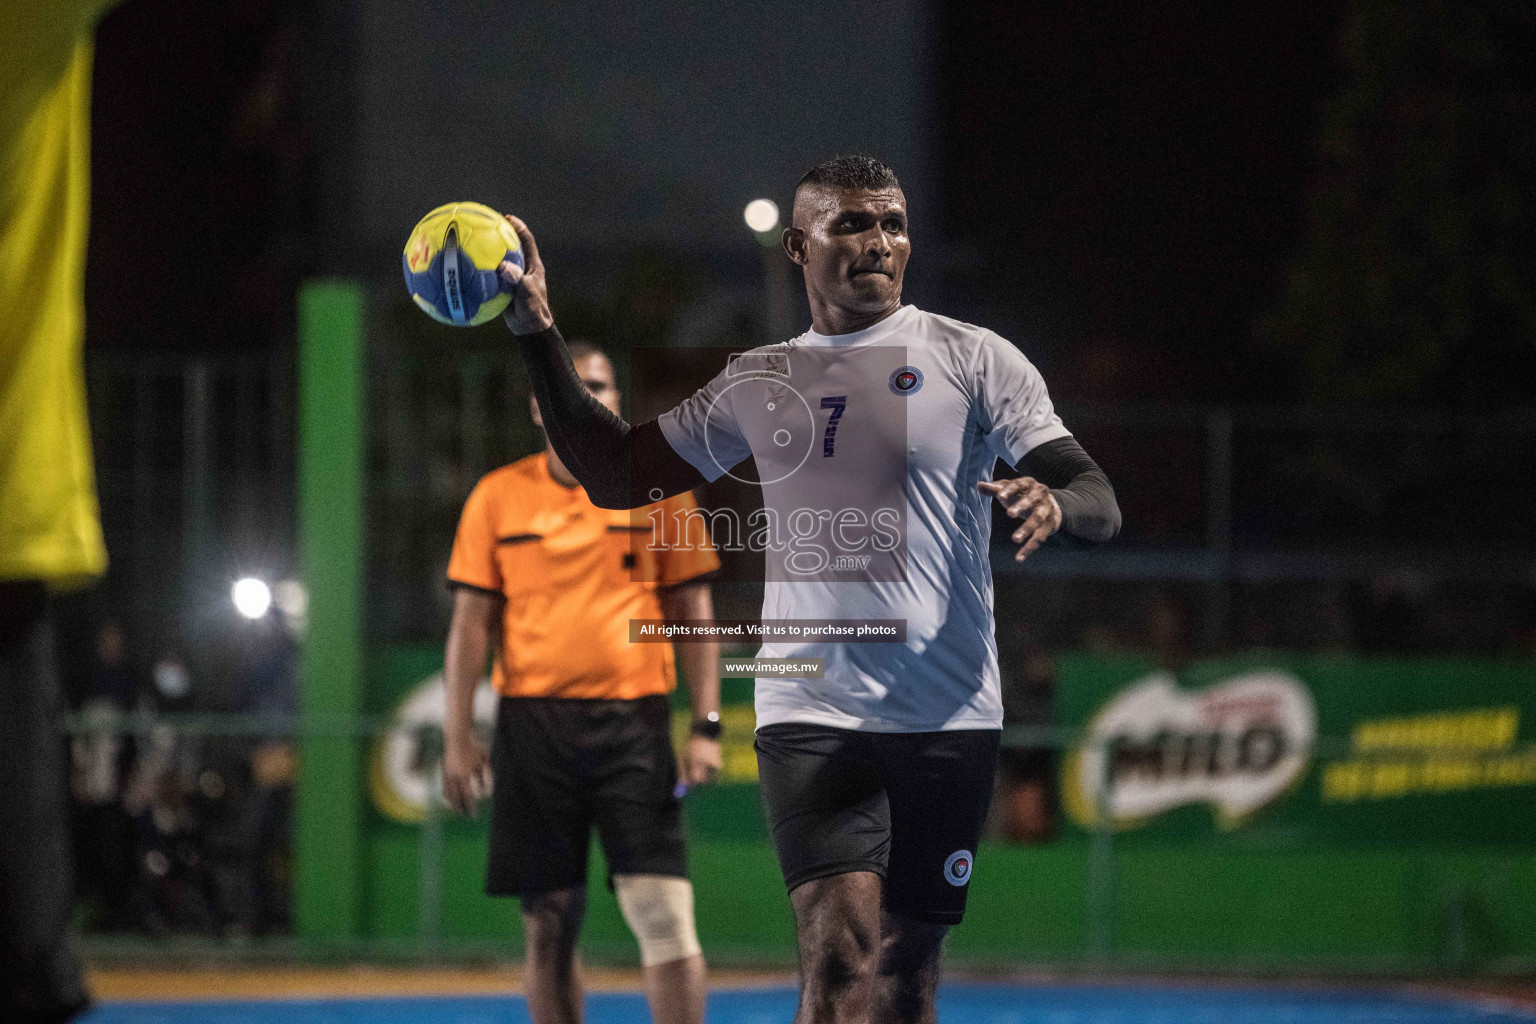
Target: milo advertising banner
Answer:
[[1295, 750], [1236, 746], [1402, 790], [1271, 750]]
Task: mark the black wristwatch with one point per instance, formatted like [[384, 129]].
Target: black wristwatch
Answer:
[[708, 726]]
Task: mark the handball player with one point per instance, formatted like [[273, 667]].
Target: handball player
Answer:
[[876, 778]]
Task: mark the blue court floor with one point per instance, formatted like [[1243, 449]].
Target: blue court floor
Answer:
[[958, 1004]]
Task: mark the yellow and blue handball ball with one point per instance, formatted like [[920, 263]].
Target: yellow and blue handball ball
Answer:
[[451, 259]]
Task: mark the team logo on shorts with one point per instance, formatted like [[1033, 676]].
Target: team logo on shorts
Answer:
[[957, 869], [906, 380]]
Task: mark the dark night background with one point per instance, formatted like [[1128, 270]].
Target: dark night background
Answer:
[[1127, 180], [1124, 187], [1140, 193]]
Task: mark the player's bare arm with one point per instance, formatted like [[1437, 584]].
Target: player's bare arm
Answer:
[[1064, 490], [701, 666], [619, 465], [466, 763]]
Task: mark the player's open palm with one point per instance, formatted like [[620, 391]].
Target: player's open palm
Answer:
[[1029, 500], [466, 774], [529, 312]]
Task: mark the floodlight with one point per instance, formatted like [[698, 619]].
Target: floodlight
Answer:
[[252, 597], [761, 215]]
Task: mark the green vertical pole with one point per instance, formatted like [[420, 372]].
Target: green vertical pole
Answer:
[[1101, 864], [330, 499]]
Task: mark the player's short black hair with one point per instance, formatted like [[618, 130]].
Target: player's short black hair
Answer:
[[855, 170], [580, 349]]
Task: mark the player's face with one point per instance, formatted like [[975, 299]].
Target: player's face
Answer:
[[596, 372], [854, 247]]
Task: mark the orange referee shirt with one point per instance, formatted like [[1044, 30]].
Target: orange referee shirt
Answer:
[[573, 575]]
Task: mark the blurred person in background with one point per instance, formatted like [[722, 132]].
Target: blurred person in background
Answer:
[[1167, 631], [162, 800], [267, 847], [1027, 758], [50, 532], [100, 758], [171, 691], [550, 582], [268, 687], [112, 681]]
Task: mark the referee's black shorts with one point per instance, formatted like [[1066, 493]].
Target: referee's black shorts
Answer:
[[562, 766], [907, 806]]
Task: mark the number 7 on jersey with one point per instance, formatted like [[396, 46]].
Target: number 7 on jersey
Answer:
[[837, 403]]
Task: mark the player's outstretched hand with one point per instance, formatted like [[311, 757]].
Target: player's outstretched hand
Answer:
[[1030, 500], [466, 774], [529, 312], [701, 761]]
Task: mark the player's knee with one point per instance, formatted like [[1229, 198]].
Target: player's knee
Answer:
[[838, 966], [659, 910], [551, 923], [840, 955]]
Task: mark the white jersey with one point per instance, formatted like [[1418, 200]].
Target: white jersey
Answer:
[[919, 404]]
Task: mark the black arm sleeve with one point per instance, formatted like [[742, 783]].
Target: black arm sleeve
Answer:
[[1088, 508], [619, 465]]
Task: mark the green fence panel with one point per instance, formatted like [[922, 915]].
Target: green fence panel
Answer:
[[1274, 873]]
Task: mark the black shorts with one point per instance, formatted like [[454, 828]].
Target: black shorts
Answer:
[[907, 806], [562, 766]]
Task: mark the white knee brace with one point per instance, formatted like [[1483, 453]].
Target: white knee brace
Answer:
[[659, 910]]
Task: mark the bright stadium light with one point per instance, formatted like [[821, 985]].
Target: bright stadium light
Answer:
[[252, 597], [291, 598], [761, 215]]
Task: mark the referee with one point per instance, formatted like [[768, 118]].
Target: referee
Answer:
[[583, 733], [875, 778]]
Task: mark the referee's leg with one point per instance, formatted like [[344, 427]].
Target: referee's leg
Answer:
[[538, 845], [640, 823], [40, 970], [551, 925]]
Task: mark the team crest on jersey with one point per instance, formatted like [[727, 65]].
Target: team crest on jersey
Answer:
[[957, 869], [906, 380]]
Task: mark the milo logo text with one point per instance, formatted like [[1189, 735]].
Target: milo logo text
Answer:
[[1236, 746]]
